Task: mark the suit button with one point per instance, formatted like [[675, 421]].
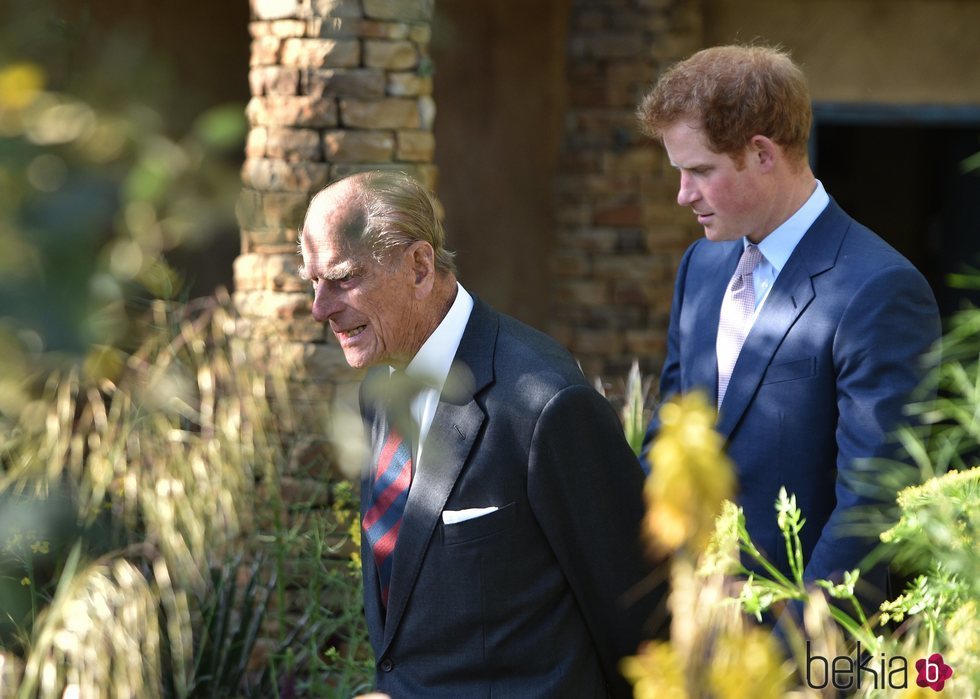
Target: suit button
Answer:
[[387, 665]]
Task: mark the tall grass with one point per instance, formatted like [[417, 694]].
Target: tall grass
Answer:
[[124, 492]]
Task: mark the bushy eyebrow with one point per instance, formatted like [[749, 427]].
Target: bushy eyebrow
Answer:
[[335, 273]]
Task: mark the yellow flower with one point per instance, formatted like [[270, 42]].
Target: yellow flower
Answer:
[[690, 476], [656, 672], [721, 556], [747, 666], [20, 84], [25, 581], [40, 547]]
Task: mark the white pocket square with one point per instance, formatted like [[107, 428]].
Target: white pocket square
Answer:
[[457, 516]]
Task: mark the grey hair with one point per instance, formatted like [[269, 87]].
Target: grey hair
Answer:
[[396, 209]]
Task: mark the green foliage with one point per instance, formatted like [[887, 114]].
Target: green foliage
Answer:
[[325, 652], [233, 609], [95, 186]]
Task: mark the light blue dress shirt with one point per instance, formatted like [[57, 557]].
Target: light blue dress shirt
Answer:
[[780, 244]]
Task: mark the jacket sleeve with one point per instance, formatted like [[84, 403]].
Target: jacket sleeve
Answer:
[[585, 488], [670, 375]]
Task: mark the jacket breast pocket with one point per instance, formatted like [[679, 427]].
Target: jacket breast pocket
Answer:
[[791, 371], [479, 527]]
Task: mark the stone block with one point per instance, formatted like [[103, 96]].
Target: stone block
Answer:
[[285, 28], [272, 211], [349, 146], [336, 8], [416, 146], [575, 214], [409, 84], [320, 361], [391, 113], [428, 174], [273, 304], [275, 9], [256, 141], [281, 273], [403, 10], [273, 175], [621, 211], [273, 80], [427, 113], [275, 239], [360, 83], [420, 33], [249, 272], [276, 110], [633, 292], [259, 29], [321, 53], [587, 292], [569, 263], [342, 170], [593, 239], [602, 342], [356, 27], [390, 55], [265, 51], [646, 343], [276, 330], [293, 144]]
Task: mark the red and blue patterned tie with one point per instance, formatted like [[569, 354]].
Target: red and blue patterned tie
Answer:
[[383, 519]]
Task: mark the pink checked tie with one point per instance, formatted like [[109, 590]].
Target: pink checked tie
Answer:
[[736, 313]]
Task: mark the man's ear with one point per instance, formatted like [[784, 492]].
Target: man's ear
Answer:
[[423, 263], [764, 152]]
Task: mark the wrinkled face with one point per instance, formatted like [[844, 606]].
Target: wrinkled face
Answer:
[[369, 305], [728, 197]]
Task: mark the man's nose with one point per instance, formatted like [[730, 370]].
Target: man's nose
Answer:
[[325, 302], [687, 193]]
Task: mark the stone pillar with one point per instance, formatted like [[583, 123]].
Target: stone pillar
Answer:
[[338, 87], [620, 233]]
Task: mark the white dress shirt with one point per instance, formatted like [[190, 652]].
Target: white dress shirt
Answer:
[[431, 364]]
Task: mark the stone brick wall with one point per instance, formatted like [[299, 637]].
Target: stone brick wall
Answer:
[[620, 233], [338, 87]]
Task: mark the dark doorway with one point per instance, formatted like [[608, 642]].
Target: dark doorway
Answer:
[[902, 174]]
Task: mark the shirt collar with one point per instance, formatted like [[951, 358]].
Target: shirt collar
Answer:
[[779, 245], [431, 364]]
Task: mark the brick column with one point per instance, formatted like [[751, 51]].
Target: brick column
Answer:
[[338, 87], [620, 233]]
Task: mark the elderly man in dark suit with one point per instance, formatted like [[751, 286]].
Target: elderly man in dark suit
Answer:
[[501, 520], [803, 325]]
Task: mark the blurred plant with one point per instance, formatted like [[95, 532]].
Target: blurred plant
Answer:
[[154, 477], [635, 410], [94, 191], [233, 610], [711, 651], [691, 479]]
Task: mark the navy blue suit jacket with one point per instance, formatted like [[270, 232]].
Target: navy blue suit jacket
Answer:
[[536, 599], [820, 381]]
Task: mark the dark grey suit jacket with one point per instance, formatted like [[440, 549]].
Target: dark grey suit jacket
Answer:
[[542, 597]]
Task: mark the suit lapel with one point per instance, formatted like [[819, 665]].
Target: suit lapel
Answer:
[[704, 359], [447, 447], [791, 294]]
